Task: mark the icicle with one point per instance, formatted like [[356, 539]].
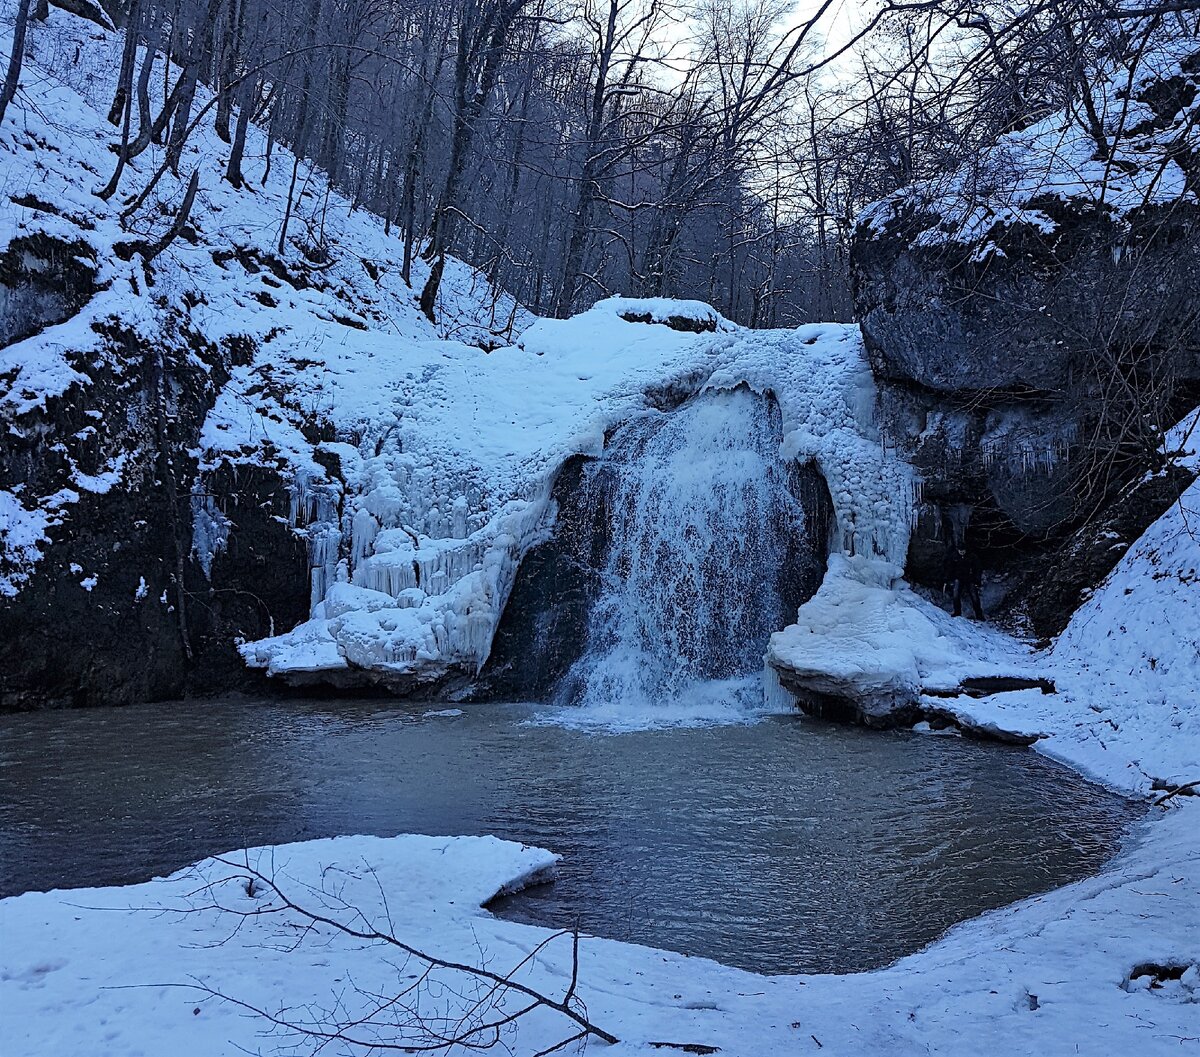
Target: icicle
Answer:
[[210, 528], [775, 697]]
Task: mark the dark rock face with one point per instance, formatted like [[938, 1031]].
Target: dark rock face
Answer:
[[687, 324], [118, 609], [1053, 589], [1025, 315], [543, 629], [1026, 368], [1029, 350], [43, 281]]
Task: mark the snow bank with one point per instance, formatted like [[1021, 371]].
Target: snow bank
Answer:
[[124, 970]]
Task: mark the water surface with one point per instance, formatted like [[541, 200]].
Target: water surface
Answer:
[[783, 846]]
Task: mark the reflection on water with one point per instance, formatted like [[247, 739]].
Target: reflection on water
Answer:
[[783, 846]]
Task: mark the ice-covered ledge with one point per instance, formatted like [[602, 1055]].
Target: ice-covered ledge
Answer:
[[450, 483], [867, 648]]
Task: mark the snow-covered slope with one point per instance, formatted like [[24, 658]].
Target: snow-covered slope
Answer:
[[225, 282]]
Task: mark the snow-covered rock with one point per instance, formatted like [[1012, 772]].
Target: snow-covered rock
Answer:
[[997, 301], [867, 647]]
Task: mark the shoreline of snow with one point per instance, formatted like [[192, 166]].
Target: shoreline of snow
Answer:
[[99, 970]]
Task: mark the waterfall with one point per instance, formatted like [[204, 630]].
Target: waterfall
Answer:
[[701, 564]]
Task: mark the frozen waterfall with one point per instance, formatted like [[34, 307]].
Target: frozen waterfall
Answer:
[[701, 564]]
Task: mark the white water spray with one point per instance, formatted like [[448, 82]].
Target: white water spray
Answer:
[[701, 522]]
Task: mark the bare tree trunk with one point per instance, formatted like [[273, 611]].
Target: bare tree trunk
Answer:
[[145, 122], [128, 55], [247, 92], [472, 89], [16, 58], [132, 30], [180, 221], [230, 45]]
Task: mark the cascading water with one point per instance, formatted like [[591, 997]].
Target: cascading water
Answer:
[[702, 562]]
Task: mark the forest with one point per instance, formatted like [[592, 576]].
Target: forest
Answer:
[[719, 151]]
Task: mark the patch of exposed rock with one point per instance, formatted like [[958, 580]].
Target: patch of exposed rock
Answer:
[[1030, 346], [119, 608]]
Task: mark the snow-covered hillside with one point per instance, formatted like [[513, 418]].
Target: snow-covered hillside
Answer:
[[1027, 175], [225, 282]]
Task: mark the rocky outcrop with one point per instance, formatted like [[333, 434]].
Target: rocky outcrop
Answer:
[[118, 607], [1020, 308], [1030, 343], [846, 705], [543, 628], [43, 281]]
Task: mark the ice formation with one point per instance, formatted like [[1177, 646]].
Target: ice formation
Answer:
[[702, 521], [449, 483]]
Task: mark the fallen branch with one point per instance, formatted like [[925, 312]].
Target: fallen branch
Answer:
[[1187, 789], [478, 1027]]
